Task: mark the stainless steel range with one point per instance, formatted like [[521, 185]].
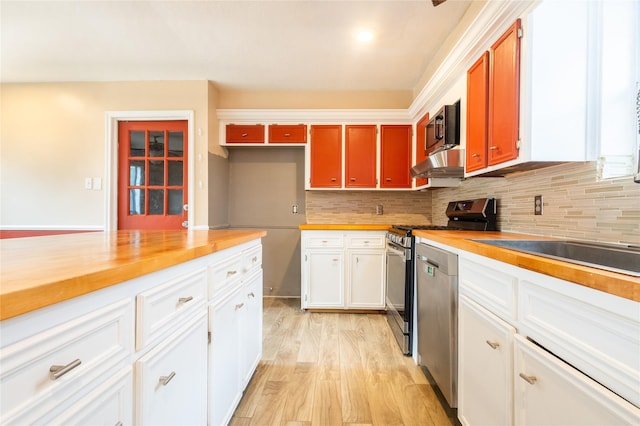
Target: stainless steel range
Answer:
[[478, 215]]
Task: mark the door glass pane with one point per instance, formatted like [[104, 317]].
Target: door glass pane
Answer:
[[156, 172], [156, 144], [136, 173], [156, 201], [136, 144], [175, 173], [176, 144], [175, 201], [136, 201]]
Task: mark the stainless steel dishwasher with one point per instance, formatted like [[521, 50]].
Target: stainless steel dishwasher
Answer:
[[437, 288]]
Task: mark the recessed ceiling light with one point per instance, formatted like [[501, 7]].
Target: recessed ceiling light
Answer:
[[364, 35]]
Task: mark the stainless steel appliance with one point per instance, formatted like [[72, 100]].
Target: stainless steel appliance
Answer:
[[479, 214], [437, 292], [445, 158]]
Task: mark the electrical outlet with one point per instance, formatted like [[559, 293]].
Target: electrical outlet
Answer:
[[537, 205], [88, 183], [379, 209]]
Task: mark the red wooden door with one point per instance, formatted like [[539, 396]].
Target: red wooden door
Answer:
[[395, 153], [421, 148], [152, 174], [504, 97], [360, 156], [326, 156], [477, 110]]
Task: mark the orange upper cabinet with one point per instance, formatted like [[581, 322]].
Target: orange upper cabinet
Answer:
[[360, 156], [287, 133], [395, 154], [421, 149], [326, 156], [477, 109], [504, 97], [245, 133]]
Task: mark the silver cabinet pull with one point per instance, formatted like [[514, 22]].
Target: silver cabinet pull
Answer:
[[119, 424], [254, 259], [334, 179], [353, 179], [57, 371], [250, 295], [231, 273], [164, 380], [185, 299], [286, 135], [239, 305], [493, 148], [244, 135], [494, 345], [474, 155], [529, 379], [388, 179]]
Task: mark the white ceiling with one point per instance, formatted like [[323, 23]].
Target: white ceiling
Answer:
[[252, 45]]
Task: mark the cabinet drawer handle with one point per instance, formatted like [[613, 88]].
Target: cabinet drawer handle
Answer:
[[119, 424], [164, 380], [529, 379], [334, 179], [324, 241], [244, 135], [250, 295], [388, 179], [286, 135], [335, 260], [494, 345], [239, 306], [254, 259], [353, 179], [185, 299], [57, 371], [474, 155], [231, 273], [493, 147]]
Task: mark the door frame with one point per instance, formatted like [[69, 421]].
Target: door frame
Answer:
[[112, 118]]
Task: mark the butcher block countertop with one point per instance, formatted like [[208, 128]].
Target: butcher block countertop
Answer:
[[39, 271], [621, 285], [343, 227]]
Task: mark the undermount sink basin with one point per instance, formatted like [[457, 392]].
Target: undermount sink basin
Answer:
[[610, 257]]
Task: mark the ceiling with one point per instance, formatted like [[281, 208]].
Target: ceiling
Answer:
[[251, 45]]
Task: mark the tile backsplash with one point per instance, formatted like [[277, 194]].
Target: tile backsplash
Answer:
[[576, 205]]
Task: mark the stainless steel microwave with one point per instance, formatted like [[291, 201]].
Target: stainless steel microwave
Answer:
[[443, 129]]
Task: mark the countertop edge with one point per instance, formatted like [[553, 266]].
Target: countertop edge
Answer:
[[343, 227], [625, 286], [24, 300]]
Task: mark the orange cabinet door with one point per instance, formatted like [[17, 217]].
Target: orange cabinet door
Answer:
[[360, 156], [245, 133], [477, 110], [395, 153], [326, 156], [421, 149], [287, 133], [504, 97]]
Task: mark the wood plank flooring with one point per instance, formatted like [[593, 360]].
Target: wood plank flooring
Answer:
[[334, 369]]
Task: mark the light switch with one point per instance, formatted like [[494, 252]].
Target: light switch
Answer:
[[97, 183], [88, 183]]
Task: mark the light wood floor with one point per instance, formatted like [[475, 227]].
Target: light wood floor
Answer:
[[334, 369]]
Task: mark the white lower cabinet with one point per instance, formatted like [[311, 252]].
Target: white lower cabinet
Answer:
[[235, 348], [485, 366], [110, 404], [171, 379], [103, 359], [343, 269], [582, 368], [551, 392]]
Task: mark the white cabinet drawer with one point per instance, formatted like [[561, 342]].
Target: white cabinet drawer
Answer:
[[366, 241], [102, 342], [490, 287], [252, 259], [224, 273], [171, 379], [320, 241], [161, 309], [108, 405]]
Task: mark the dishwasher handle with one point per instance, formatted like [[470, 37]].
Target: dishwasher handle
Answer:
[[425, 259]]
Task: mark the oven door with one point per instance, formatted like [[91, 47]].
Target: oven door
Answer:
[[396, 287]]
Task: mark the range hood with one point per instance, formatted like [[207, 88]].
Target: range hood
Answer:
[[448, 163]]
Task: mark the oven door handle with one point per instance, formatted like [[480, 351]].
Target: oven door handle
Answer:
[[425, 259], [397, 252]]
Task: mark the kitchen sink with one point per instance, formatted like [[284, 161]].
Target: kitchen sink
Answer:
[[617, 258]]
